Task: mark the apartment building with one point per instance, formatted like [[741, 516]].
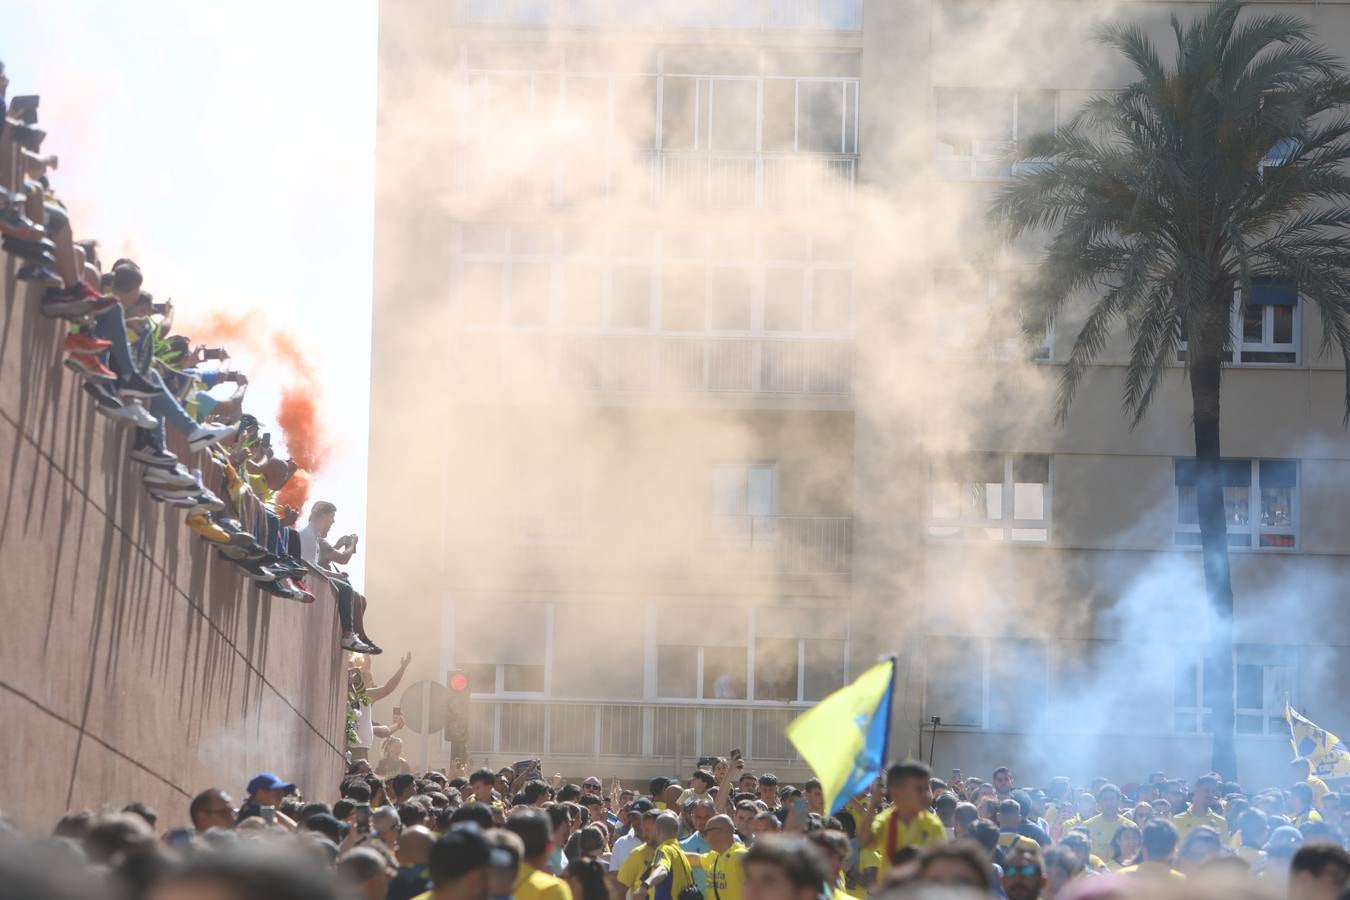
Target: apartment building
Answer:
[[694, 391]]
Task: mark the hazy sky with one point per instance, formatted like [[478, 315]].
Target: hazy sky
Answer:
[[229, 148]]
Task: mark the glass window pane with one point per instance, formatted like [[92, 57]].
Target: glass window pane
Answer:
[[760, 491], [1186, 687], [1031, 467], [1253, 318], [683, 286], [970, 120], [1283, 330], [676, 671], [1235, 505], [780, 115], [1250, 686], [831, 300], [728, 485], [483, 292], [730, 304], [945, 500], [677, 113], [583, 287], [733, 115], [982, 500], [784, 291], [482, 677], [820, 106], [775, 669], [724, 673], [1277, 507], [824, 668], [631, 297], [525, 679], [1188, 509]]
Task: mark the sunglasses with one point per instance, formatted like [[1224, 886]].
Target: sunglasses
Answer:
[[1027, 871]]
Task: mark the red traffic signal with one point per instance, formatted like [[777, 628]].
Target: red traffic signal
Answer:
[[459, 682]]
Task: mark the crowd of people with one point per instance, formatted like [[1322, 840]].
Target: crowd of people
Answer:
[[726, 834], [138, 372]]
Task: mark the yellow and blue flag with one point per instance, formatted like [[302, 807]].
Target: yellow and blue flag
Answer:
[[843, 737], [1326, 754]]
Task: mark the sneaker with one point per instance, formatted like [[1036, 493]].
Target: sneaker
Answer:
[[83, 342], [140, 416], [102, 396], [203, 527], [206, 500], [33, 251], [16, 225], [353, 643], [210, 435], [182, 500], [151, 455], [39, 274], [88, 366], [256, 570], [375, 649], [58, 306], [176, 478], [135, 385], [131, 412], [77, 299], [282, 587]]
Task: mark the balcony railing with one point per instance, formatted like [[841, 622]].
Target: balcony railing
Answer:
[[671, 731], [788, 545], [655, 363], [746, 15]]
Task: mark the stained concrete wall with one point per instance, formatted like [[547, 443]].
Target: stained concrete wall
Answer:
[[134, 664]]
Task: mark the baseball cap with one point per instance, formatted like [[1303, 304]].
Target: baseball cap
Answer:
[[1283, 837], [268, 781], [456, 853], [641, 806]]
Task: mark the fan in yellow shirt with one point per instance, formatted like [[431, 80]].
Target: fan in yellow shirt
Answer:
[[671, 871], [723, 863], [535, 831], [1102, 827], [1203, 799], [1159, 843], [1303, 772], [909, 822]]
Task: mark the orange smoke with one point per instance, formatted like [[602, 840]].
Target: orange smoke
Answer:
[[298, 415], [296, 491]]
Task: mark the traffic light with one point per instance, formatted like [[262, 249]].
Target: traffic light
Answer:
[[457, 707]]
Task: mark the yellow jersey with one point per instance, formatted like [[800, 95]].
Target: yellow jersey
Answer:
[[890, 834], [726, 873], [532, 884], [1101, 830], [1185, 821], [670, 856], [1320, 790], [1152, 869], [630, 873]]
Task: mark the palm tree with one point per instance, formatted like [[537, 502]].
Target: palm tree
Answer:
[[1172, 197]]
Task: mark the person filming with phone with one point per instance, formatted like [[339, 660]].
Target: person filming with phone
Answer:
[[265, 793]]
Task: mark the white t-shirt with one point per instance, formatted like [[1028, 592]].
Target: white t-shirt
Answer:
[[309, 544], [621, 850], [365, 727]]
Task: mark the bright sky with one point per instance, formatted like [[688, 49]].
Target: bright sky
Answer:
[[229, 148]]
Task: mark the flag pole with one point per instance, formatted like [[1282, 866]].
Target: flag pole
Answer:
[[895, 684]]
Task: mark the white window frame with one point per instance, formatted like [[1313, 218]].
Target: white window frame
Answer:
[[986, 646], [1253, 529], [1265, 345], [705, 87], [800, 695], [698, 673], [1007, 523], [1282, 671], [969, 167]]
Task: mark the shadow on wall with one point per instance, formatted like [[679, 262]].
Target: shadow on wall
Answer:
[[138, 664]]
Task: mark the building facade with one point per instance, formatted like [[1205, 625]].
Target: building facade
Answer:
[[696, 388]]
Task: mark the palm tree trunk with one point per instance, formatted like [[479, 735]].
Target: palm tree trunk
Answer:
[[1205, 348]]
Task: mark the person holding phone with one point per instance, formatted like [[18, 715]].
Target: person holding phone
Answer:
[[265, 793], [391, 762]]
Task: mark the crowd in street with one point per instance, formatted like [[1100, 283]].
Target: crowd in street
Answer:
[[196, 447], [727, 833]]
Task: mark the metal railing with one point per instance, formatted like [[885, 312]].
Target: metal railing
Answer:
[[600, 729], [746, 15], [670, 363], [789, 545], [741, 180]]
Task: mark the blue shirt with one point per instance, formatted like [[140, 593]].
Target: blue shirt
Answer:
[[696, 844]]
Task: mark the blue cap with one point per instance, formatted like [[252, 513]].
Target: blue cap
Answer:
[[1284, 836], [268, 782]]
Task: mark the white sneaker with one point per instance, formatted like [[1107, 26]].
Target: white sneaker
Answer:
[[355, 644], [169, 479], [130, 411], [210, 435]]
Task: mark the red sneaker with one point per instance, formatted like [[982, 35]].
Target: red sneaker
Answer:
[[79, 342], [90, 367]]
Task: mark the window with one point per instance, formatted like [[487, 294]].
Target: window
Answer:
[[808, 284], [799, 115], [996, 683], [976, 128], [1263, 678], [991, 497], [700, 673], [790, 670], [745, 503], [1266, 330], [504, 678], [1260, 498]]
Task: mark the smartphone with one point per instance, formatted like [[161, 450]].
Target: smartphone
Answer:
[[398, 711], [801, 810], [362, 815], [179, 837], [523, 765], [24, 108], [956, 775], [215, 353], [269, 814], [707, 762]]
